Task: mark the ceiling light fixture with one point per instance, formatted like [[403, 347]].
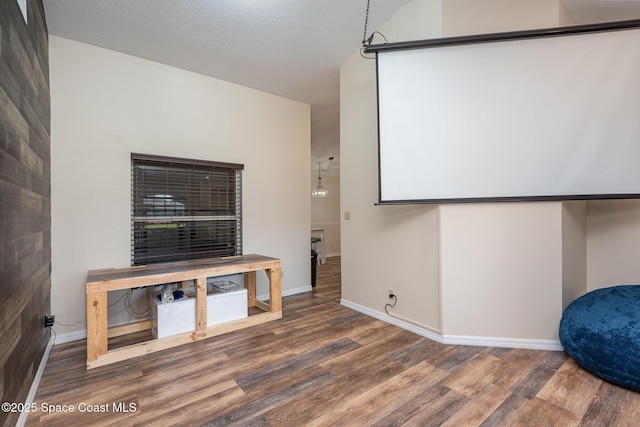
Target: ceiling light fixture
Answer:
[[320, 191]]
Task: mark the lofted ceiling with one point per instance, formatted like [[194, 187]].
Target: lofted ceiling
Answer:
[[290, 48]]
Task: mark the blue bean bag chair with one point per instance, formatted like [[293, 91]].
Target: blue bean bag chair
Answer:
[[601, 331]]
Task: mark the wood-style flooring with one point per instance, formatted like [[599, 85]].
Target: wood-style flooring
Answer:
[[326, 365], [329, 282]]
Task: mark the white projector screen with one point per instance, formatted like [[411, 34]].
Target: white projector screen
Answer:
[[529, 118]]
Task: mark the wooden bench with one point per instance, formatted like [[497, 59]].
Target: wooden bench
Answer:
[[99, 282]]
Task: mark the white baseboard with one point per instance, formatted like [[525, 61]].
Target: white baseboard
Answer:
[[36, 382], [288, 292], [434, 336], [71, 336], [531, 344]]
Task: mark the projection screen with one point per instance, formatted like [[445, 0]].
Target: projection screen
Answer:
[[536, 115]]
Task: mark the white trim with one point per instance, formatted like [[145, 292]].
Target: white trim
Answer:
[[71, 336], [530, 344], [392, 320], [325, 224], [288, 292], [22, 419], [333, 254]]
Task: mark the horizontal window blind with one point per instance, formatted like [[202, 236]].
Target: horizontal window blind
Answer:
[[184, 209]]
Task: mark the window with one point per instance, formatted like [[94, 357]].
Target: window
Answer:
[[184, 209]]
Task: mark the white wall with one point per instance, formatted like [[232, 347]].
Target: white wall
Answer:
[[106, 105], [384, 246], [463, 17], [574, 251], [613, 243], [501, 270], [325, 212], [565, 18]]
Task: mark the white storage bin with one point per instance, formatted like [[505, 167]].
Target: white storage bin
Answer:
[[227, 302]]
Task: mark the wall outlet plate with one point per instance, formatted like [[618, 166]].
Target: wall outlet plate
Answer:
[[49, 320]]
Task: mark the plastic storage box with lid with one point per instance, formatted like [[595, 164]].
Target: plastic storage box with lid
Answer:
[[226, 301]]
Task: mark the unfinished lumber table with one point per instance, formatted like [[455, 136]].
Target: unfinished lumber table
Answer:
[[99, 282]]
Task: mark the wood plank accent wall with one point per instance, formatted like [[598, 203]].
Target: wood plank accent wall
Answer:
[[25, 199]]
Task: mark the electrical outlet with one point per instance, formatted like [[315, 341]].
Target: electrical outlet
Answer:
[[392, 293], [49, 320]]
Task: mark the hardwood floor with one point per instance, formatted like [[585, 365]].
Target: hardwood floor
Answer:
[[329, 282], [325, 365]]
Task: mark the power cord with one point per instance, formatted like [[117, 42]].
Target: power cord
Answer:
[[368, 42], [71, 324], [380, 34], [129, 306], [57, 348], [53, 347], [388, 306]]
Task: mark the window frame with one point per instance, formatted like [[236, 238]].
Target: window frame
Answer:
[[183, 244]]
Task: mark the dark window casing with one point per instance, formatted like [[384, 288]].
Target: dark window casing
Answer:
[[184, 209]]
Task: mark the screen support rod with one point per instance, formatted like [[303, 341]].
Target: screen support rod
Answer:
[[497, 37]]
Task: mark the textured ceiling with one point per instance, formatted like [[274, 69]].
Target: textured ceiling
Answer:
[[285, 47], [291, 48]]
